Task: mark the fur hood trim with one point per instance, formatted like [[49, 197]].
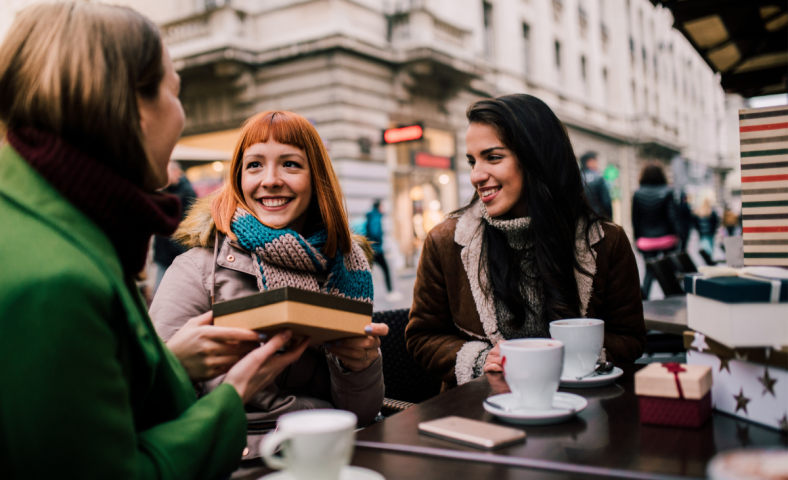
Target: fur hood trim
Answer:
[[468, 235], [198, 230]]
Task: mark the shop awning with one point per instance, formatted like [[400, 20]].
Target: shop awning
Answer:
[[206, 147], [745, 40], [191, 154]]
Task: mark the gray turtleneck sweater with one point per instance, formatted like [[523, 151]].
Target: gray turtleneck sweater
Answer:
[[530, 285]]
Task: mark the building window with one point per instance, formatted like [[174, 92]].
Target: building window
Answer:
[[645, 58], [656, 67], [632, 50], [634, 96], [488, 30], [605, 85], [583, 68], [558, 58], [526, 49]]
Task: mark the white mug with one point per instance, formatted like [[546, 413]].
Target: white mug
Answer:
[[583, 339], [316, 444], [532, 369]]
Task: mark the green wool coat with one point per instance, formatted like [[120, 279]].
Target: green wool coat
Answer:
[[87, 388]]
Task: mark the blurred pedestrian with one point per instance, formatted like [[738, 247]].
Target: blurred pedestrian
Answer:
[[374, 232], [654, 218], [706, 221], [684, 218], [595, 186], [730, 221], [89, 98], [164, 248]]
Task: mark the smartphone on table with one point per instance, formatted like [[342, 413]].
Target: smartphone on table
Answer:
[[473, 433]]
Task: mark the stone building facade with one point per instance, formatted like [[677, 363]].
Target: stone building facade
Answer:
[[622, 80]]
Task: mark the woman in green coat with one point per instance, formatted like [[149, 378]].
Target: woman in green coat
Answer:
[[89, 101]]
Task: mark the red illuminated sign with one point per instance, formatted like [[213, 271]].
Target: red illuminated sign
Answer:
[[424, 159], [403, 134]]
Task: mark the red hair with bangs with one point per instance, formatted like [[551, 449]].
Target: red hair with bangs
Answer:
[[294, 130]]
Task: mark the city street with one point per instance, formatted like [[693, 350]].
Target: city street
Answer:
[[402, 282]]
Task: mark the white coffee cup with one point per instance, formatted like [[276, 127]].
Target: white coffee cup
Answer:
[[583, 339], [316, 444], [532, 368]]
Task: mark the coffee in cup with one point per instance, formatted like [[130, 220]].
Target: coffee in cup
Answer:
[[583, 339], [532, 369], [316, 444]]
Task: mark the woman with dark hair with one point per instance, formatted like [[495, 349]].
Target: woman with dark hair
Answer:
[[527, 250], [654, 218], [89, 98]]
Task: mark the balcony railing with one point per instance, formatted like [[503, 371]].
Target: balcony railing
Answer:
[[421, 28], [187, 29]]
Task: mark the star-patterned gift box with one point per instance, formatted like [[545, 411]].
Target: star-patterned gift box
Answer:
[[674, 394], [750, 383]]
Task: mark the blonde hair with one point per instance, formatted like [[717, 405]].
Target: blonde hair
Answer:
[[75, 70], [704, 209], [290, 129]]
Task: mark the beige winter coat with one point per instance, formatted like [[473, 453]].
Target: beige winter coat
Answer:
[[314, 381]]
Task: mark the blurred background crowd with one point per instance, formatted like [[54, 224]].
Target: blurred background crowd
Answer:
[[657, 133]]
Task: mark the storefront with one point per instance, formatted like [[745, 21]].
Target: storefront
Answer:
[[205, 159], [425, 187]]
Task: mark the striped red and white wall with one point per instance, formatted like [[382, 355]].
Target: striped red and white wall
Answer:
[[764, 180]]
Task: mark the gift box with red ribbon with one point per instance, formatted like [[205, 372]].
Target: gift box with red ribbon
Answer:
[[674, 394]]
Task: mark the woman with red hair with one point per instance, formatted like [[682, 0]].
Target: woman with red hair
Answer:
[[278, 221]]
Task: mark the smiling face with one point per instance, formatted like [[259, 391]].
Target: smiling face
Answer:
[[277, 184], [496, 173]]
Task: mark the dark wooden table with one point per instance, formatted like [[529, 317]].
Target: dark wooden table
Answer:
[[668, 315], [607, 434]]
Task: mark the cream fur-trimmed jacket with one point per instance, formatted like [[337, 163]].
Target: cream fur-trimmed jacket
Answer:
[[313, 381], [452, 322]]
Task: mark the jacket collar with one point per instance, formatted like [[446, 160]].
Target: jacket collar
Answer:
[[23, 186], [232, 256], [468, 234]]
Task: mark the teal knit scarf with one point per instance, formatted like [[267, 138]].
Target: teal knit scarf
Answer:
[[285, 258]]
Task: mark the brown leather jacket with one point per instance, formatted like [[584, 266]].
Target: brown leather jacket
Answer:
[[445, 314]]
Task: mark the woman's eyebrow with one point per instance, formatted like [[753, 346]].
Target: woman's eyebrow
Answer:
[[291, 154], [488, 150]]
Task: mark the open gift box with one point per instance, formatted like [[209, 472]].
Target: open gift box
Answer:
[[674, 394]]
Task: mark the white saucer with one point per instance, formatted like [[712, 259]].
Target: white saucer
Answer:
[[592, 381], [348, 473], [565, 406]]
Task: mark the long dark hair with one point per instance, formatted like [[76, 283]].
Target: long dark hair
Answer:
[[555, 198]]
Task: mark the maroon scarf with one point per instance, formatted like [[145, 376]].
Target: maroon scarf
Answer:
[[128, 215]]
